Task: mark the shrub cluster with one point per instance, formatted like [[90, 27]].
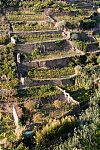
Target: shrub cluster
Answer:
[[88, 24], [53, 73], [55, 128], [31, 27], [98, 59], [39, 37], [81, 45], [8, 66], [3, 39], [38, 92]]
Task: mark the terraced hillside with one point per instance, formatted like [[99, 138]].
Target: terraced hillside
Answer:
[[50, 63]]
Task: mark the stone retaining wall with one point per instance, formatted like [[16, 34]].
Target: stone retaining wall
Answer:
[[37, 82], [93, 46], [51, 64], [52, 98], [35, 32], [44, 46]]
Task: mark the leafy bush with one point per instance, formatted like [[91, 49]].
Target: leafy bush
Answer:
[[98, 60], [57, 103], [92, 58], [3, 39], [79, 36], [21, 146], [81, 45], [52, 73], [38, 92], [8, 66], [87, 135], [35, 53], [83, 36], [88, 24], [7, 130], [55, 128]]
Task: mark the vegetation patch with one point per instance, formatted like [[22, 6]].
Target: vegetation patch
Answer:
[[53, 73]]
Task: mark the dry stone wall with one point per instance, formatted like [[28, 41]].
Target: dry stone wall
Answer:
[[39, 82], [92, 46], [51, 64], [44, 46], [30, 33]]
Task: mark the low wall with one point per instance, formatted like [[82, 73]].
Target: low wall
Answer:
[[93, 46], [84, 6], [29, 33], [51, 64], [28, 82], [53, 97], [38, 82], [44, 46]]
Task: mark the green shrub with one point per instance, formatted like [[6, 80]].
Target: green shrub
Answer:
[[24, 27], [55, 128], [87, 135], [38, 91], [83, 36], [3, 39], [79, 36], [59, 43], [52, 73], [8, 66], [92, 58], [81, 45], [88, 24], [35, 53], [21, 146], [98, 60]]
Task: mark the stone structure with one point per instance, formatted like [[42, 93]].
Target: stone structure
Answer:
[[28, 33], [18, 57], [15, 116], [98, 11], [67, 96], [51, 64], [22, 79], [49, 46], [66, 34], [92, 46], [53, 81], [13, 41]]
